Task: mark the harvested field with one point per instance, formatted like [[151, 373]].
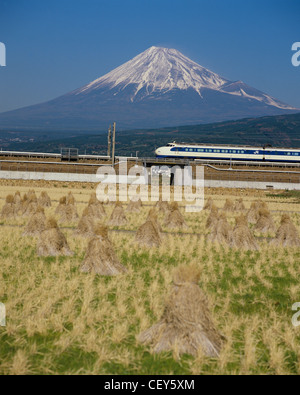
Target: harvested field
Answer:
[[60, 320]]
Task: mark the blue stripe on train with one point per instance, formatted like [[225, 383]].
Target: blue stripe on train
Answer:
[[225, 159]]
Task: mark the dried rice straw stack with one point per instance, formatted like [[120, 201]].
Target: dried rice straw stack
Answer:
[[134, 207], [44, 200], [287, 234], [148, 234], [29, 204], [9, 209], [242, 238], [61, 206], [152, 215], [253, 213], [265, 222], [32, 196], [162, 206], [96, 208], [52, 241], [174, 218], [118, 217], [69, 214], [100, 257], [229, 205], [221, 231], [86, 225], [239, 205], [186, 325], [36, 224], [209, 204], [213, 217], [18, 203], [70, 200]]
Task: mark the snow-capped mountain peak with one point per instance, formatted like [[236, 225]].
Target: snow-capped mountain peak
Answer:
[[158, 70], [158, 88]]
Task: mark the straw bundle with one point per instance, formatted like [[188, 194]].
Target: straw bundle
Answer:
[[209, 204], [152, 215], [242, 238], [135, 207], [253, 213], [118, 217], [186, 324], [61, 206], [287, 234], [221, 231], [229, 205], [36, 224], [70, 200], [239, 205], [100, 257], [44, 200], [29, 204], [86, 225], [148, 234], [52, 241], [69, 214], [9, 209], [96, 208], [265, 222], [18, 203], [174, 218], [213, 217], [162, 206], [66, 211]]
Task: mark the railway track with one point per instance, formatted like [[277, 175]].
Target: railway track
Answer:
[[234, 171]]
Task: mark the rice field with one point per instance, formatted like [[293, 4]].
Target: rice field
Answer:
[[62, 321]]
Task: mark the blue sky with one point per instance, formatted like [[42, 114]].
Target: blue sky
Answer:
[[55, 46]]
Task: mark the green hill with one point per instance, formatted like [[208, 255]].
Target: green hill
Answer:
[[283, 131]]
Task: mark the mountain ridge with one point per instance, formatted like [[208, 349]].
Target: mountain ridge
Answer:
[[279, 131], [156, 88]]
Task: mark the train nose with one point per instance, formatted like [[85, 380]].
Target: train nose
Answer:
[[158, 151]]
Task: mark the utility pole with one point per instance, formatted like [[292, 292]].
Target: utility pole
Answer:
[[114, 144], [109, 142]]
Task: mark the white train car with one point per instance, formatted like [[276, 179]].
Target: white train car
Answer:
[[228, 153]]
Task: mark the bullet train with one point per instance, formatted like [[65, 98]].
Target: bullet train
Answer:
[[228, 153]]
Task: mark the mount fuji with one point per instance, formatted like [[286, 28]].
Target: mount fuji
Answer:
[[160, 87]]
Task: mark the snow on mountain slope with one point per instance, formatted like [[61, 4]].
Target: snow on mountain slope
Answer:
[[239, 88], [160, 87], [162, 70], [158, 69]]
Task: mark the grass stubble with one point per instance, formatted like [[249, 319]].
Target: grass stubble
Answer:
[[63, 321]]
